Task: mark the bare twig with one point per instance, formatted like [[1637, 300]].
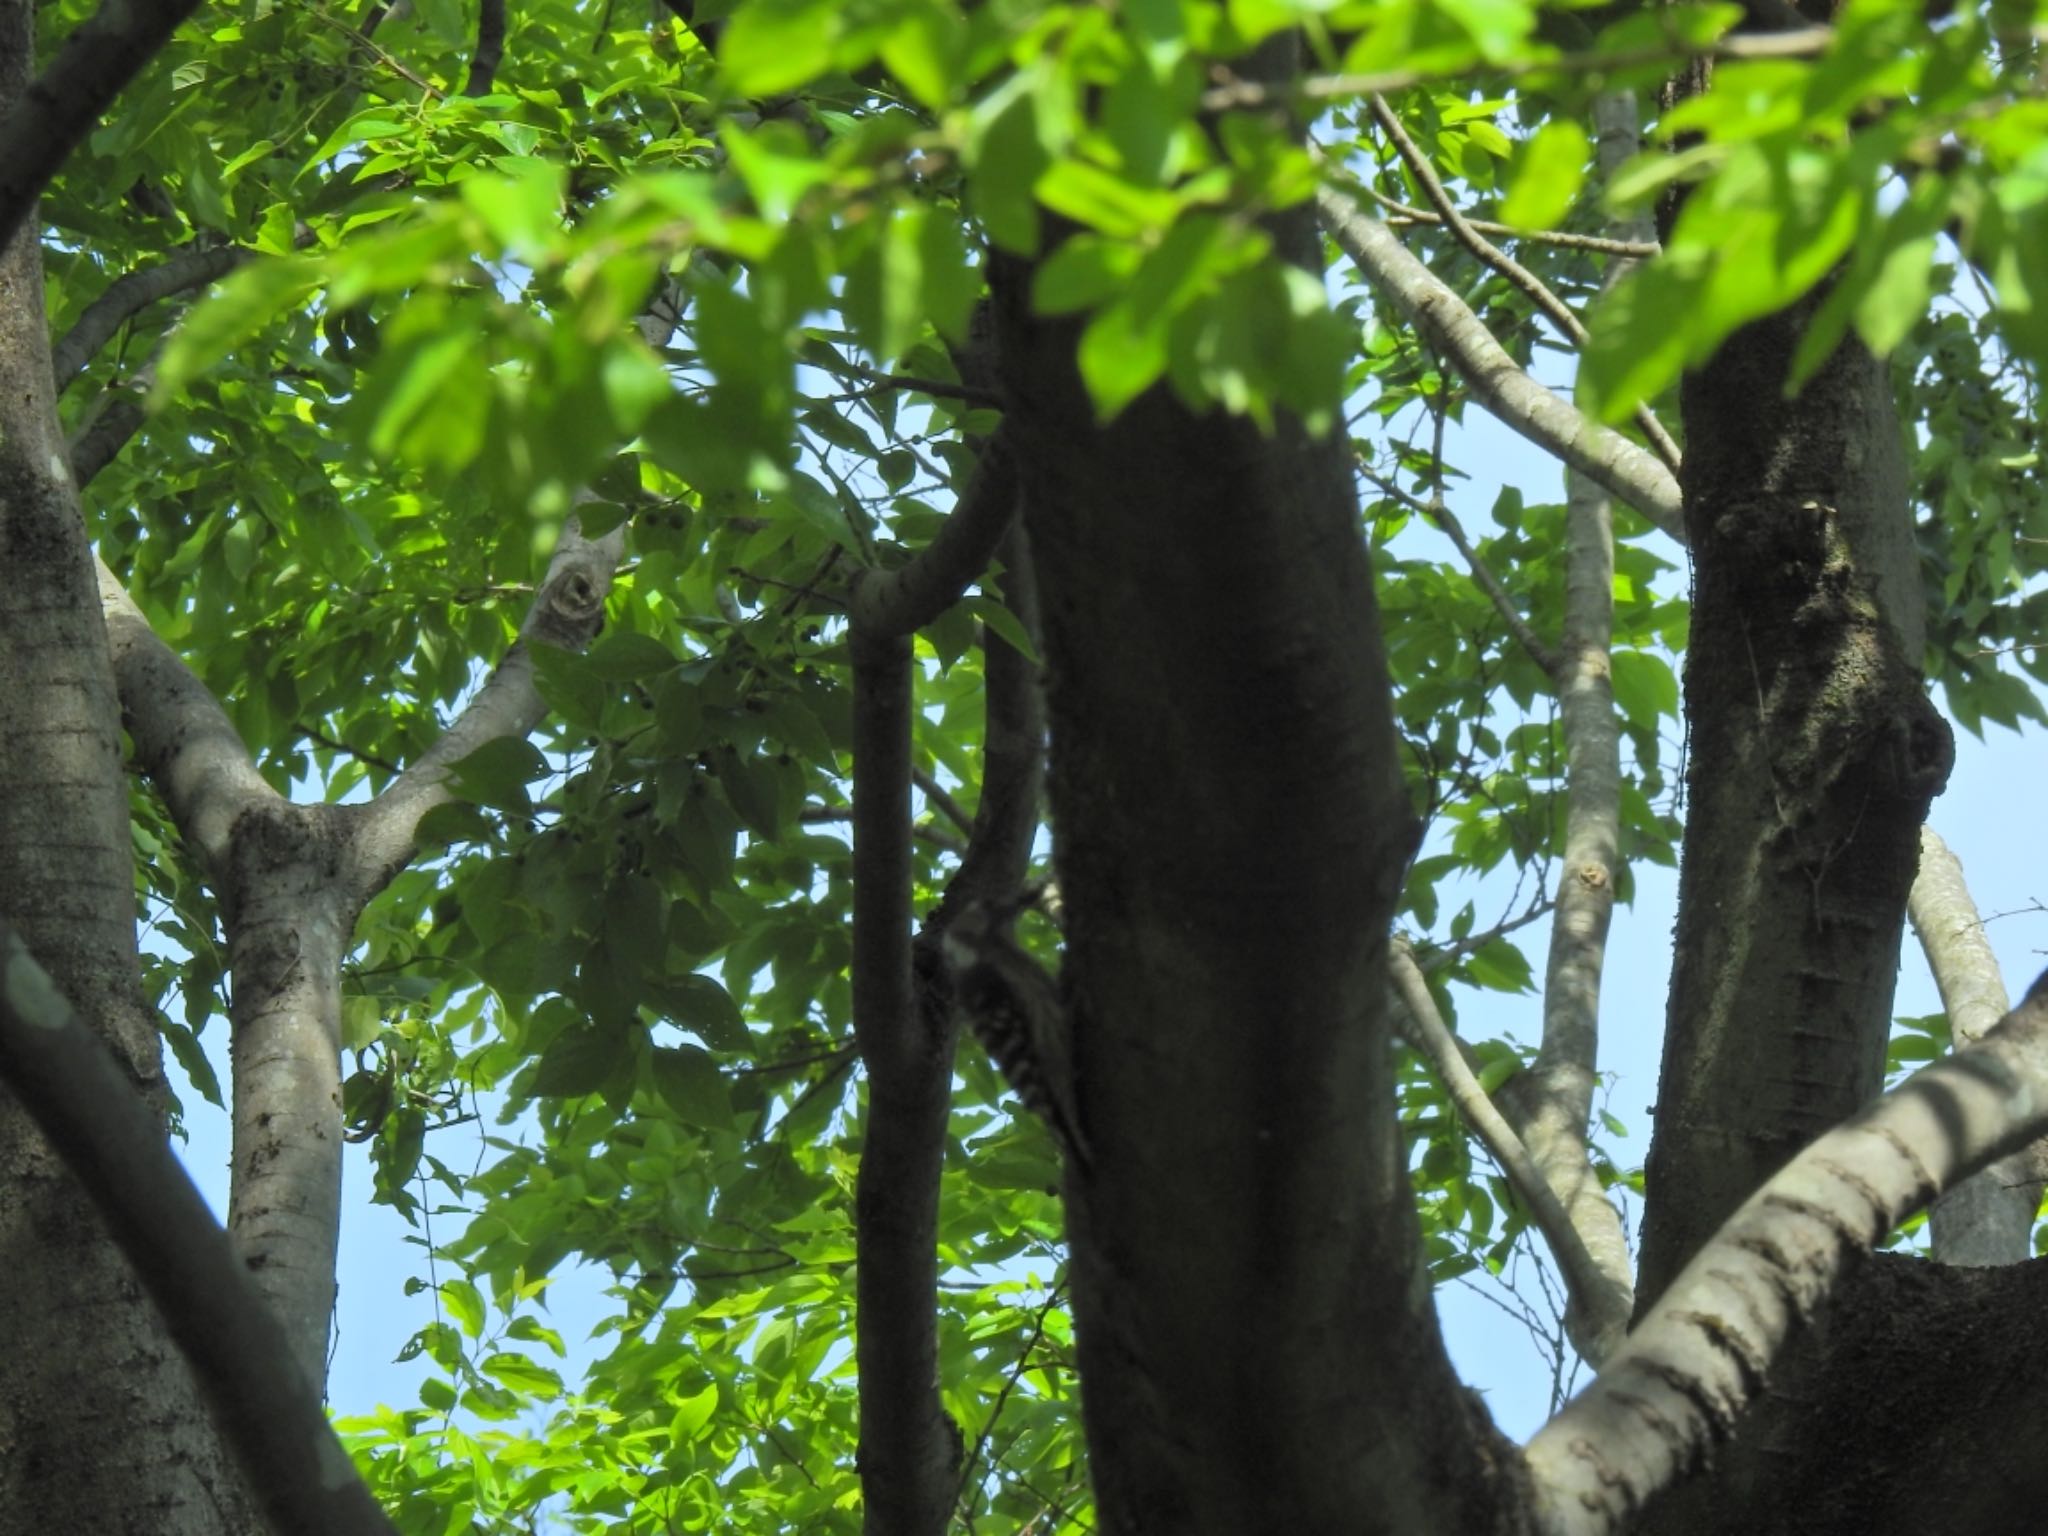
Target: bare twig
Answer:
[[1598, 1314], [1231, 93], [1052, 1299], [1402, 213], [1483, 576], [1491, 255], [360, 38]]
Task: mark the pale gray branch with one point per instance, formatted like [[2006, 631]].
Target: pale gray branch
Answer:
[[1597, 1316], [1537, 291], [1690, 1369], [1552, 1103], [1632, 473], [183, 738], [566, 613], [1989, 1217]]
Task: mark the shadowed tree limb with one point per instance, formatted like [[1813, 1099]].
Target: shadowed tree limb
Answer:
[[267, 1410], [59, 107], [903, 1016], [490, 48], [128, 295]]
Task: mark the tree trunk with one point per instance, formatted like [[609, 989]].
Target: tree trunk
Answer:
[[1813, 755], [1257, 1345], [101, 1427]]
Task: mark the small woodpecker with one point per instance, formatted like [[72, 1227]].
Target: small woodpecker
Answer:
[[1014, 1009]]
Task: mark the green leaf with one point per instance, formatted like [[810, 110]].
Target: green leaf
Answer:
[[580, 1061], [771, 46], [1548, 174], [700, 1004], [521, 210], [925, 50], [249, 299], [465, 1305], [693, 1413], [1085, 271], [498, 772], [1644, 687], [1105, 201], [690, 1083]]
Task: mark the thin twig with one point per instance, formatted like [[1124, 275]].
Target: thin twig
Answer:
[[1483, 577], [314, 733], [1232, 93], [1491, 255], [936, 793], [1052, 1299], [880, 383], [1405, 213], [363, 41]]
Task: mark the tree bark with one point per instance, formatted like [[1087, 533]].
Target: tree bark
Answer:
[[1813, 756], [101, 1427], [1257, 1347]]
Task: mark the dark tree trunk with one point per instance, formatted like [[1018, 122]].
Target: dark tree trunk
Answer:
[[1813, 754], [1257, 1344], [1914, 1406]]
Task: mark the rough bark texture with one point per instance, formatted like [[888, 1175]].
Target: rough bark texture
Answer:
[[1813, 755], [289, 925], [1257, 1346], [100, 1426], [1914, 1406]]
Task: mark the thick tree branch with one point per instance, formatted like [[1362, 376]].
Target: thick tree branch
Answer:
[[128, 295], [490, 48], [1989, 1217], [1533, 287], [1632, 473], [1598, 1314], [60, 106], [904, 600], [1703, 1353], [183, 739], [566, 613], [267, 1410], [909, 1446], [1013, 747], [1552, 1103]]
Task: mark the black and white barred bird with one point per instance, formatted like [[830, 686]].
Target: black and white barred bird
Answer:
[[1014, 1008]]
